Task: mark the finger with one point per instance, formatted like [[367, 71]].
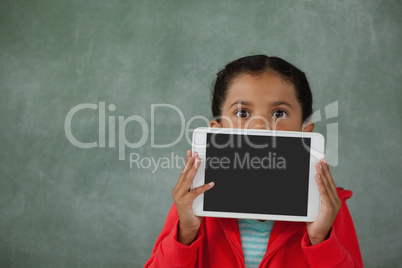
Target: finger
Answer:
[[188, 155], [328, 174], [185, 170], [322, 189], [200, 190], [336, 199], [329, 180], [185, 184], [188, 159], [191, 173], [323, 176]]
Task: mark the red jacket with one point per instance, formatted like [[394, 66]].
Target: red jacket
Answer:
[[218, 244]]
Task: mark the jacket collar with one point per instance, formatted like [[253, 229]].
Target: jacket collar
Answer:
[[281, 232]]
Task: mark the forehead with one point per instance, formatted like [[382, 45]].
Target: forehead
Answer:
[[263, 88]]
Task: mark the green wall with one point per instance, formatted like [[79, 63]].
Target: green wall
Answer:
[[65, 206]]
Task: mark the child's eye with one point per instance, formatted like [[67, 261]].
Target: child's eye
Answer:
[[242, 113], [279, 114]]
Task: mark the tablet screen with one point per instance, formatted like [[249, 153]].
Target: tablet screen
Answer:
[[257, 174]]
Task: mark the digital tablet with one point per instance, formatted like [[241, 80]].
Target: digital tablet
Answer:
[[258, 174]]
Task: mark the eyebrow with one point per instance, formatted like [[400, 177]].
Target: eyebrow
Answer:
[[276, 103], [245, 103]]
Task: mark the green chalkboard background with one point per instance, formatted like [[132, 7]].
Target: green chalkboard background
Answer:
[[65, 206]]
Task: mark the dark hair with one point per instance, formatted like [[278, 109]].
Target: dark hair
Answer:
[[256, 65]]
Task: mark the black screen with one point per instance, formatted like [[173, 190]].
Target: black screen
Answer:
[[270, 180]]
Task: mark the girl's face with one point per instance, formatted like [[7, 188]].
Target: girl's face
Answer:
[[263, 101]]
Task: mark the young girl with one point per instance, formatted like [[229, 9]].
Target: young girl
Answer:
[[268, 93]]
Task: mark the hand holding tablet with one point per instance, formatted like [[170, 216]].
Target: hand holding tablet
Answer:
[[183, 198]]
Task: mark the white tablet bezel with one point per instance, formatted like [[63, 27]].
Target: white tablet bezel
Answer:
[[316, 153]]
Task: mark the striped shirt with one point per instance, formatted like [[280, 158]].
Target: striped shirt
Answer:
[[254, 240]]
